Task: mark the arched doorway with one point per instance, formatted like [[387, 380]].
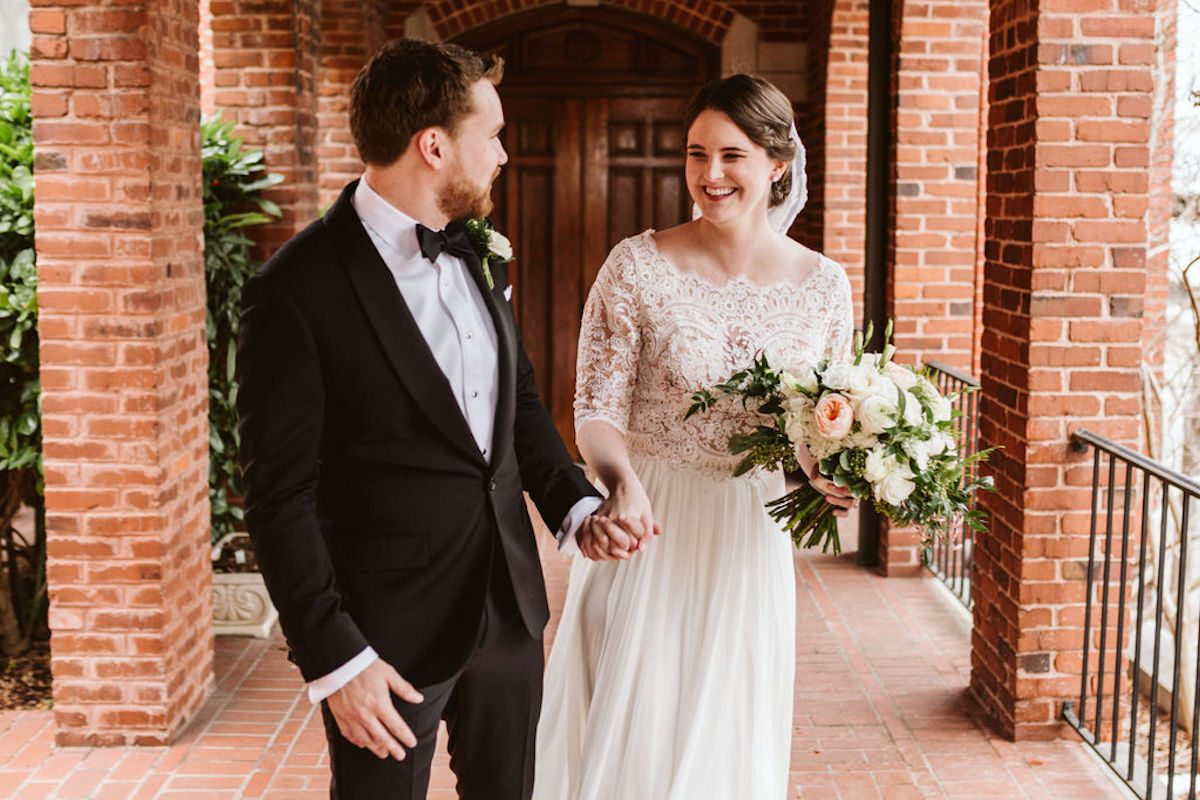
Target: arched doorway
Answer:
[[594, 99]]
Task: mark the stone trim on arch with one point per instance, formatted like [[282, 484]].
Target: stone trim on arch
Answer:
[[707, 19]]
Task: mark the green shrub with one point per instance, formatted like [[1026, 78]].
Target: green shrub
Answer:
[[23, 577], [234, 178]]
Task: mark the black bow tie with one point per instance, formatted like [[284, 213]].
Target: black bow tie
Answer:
[[453, 240]]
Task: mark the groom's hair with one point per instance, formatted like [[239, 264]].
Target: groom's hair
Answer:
[[410, 85]]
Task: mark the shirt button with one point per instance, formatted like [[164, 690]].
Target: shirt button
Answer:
[[474, 394], [470, 335]]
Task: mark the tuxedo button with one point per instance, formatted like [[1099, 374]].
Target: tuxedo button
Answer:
[[491, 484]]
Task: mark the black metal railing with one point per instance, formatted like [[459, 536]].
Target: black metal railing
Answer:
[[1131, 497], [952, 560]]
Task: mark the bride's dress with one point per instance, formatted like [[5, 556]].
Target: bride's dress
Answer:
[[671, 673]]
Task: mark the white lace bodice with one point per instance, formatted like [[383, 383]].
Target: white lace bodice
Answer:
[[653, 334]]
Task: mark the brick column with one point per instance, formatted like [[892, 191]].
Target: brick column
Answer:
[[121, 296], [350, 32], [1066, 248], [264, 73]]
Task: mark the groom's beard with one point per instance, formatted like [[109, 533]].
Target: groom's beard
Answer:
[[460, 199]]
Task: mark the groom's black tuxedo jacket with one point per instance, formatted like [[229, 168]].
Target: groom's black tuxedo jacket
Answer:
[[372, 511]]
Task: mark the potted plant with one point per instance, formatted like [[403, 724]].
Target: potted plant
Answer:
[[234, 178]]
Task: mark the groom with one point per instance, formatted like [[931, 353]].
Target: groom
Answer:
[[389, 421]]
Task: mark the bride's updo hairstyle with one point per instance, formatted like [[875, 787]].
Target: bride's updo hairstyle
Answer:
[[762, 112]]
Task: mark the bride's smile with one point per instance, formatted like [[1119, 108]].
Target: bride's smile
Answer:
[[728, 174]]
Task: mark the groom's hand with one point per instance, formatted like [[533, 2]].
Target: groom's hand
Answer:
[[366, 715]]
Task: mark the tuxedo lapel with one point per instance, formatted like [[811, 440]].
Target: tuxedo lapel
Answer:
[[389, 316], [506, 352]]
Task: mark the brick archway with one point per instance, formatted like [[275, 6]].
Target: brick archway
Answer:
[[705, 18]]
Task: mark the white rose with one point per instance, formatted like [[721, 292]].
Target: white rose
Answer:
[[875, 414], [499, 244], [895, 487]]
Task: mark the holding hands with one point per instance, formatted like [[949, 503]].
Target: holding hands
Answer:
[[621, 526]]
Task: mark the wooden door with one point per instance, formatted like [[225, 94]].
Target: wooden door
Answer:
[[594, 102]]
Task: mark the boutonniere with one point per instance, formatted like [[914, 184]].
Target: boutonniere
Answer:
[[490, 245]]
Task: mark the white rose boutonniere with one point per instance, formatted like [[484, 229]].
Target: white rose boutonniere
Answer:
[[490, 245]]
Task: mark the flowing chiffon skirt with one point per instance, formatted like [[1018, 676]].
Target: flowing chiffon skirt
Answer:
[[671, 674]]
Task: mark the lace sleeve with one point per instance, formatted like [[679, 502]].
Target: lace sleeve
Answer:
[[606, 370], [840, 334]]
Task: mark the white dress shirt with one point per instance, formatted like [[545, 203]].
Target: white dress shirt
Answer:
[[455, 323]]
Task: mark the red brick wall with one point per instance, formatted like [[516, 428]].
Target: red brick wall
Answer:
[[932, 290], [265, 67], [124, 373], [845, 123], [939, 84], [1066, 248], [350, 32]]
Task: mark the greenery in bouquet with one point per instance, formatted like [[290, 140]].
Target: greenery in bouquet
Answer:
[[880, 429]]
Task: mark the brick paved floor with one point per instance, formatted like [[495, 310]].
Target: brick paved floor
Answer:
[[881, 712]]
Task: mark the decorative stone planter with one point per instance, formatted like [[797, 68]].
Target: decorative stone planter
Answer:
[[241, 606]]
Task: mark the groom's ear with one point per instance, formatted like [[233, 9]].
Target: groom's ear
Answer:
[[431, 146]]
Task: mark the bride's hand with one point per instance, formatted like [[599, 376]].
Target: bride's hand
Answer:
[[628, 506], [837, 496]]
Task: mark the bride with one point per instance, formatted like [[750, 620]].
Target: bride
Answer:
[[671, 673]]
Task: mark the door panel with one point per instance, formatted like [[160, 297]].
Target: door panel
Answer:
[[594, 97], [583, 173]]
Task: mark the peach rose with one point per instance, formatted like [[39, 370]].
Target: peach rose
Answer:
[[834, 416]]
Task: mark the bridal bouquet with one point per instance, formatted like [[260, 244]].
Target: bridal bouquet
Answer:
[[878, 428]]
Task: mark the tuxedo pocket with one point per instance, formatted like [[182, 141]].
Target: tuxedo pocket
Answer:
[[384, 553]]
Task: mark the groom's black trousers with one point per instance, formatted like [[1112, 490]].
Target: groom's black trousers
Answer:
[[491, 710]]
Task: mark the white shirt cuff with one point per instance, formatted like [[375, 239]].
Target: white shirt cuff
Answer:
[[574, 519], [326, 685]]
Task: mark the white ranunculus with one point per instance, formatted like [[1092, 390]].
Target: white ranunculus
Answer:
[[895, 487], [913, 414], [860, 381], [883, 386], [878, 464], [875, 414], [902, 375], [838, 375], [803, 379], [919, 451], [941, 408], [806, 379], [499, 244]]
